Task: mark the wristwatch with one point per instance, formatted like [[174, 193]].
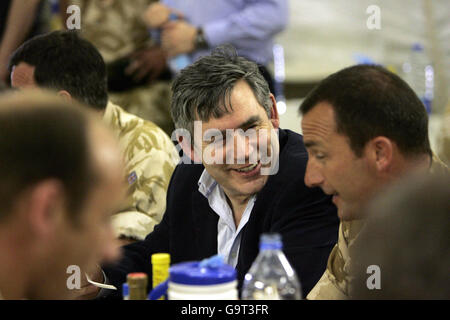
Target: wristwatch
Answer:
[[200, 41]]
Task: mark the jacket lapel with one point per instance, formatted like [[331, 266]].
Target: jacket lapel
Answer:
[[205, 220]]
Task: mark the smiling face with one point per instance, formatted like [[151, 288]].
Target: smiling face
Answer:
[[239, 171], [332, 164]]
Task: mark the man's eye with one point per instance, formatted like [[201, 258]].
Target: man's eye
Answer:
[[320, 156]]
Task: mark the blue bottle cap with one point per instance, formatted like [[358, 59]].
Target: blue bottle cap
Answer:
[[270, 241], [198, 273]]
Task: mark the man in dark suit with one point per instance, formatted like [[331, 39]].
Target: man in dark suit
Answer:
[[245, 180]]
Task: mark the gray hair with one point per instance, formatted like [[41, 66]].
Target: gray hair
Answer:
[[203, 89]]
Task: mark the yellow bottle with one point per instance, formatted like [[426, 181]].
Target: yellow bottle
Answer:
[[160, 268]]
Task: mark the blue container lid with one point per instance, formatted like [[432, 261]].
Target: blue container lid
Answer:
[[192, 273]]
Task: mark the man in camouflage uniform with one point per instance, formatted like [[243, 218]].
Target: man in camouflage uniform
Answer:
[[363, 127], [72, 66], [117, 30]]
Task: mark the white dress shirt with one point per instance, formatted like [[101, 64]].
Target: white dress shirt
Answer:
[[228, 236]]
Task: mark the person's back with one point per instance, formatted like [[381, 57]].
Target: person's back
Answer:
[[405, 242]]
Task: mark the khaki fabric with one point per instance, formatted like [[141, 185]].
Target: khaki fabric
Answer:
[[443, 139], [334, 283], [116, 29], [150, 158]]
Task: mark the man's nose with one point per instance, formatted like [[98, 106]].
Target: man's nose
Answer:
[[313, 176]]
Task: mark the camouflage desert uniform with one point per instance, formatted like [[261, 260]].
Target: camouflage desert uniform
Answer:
[[115, 27], [150, 159], [334, 283]]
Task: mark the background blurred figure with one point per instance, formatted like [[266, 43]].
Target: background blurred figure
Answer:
[[136, 67], [63, 61], [62, 177], [19, 20], [249, 25], [407, 237]]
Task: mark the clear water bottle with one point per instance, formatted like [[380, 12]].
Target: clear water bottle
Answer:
[[177, 63], [419, 74], [271, 277], [181, 61]]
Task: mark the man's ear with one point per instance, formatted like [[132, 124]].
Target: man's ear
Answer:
[[45, 205], [65, 95], [381, 150], [274, 117]]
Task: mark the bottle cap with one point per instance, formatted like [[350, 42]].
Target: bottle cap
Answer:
[[160, 258], [137, 279], [270, 241], [137, 284]]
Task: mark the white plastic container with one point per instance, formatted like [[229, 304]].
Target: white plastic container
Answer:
[[226, 291], [202, 281], [210, 279]]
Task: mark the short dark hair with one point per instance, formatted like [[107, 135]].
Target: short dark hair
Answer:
[[43, 138], [369, 101], [203, 89], [65, 61]]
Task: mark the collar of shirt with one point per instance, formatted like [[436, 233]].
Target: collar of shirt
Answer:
[[228, 236]]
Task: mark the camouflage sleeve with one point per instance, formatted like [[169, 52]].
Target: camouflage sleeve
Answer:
[[150, 158], [149, 176], [333, 285], [329, 287]]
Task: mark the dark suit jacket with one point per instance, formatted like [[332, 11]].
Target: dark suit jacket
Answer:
[[305, 218]]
